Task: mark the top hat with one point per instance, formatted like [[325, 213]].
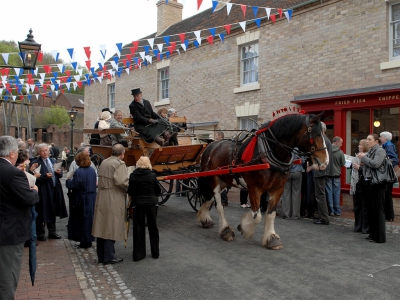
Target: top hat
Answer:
[[106, 109], [136, 92]]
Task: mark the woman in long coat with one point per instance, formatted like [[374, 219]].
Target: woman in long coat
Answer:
[[82, 201], [144, 190], [375, 193]]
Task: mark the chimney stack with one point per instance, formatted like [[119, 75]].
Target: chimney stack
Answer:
[[168, 14]]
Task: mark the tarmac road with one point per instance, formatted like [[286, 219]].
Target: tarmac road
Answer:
[[317, 261]]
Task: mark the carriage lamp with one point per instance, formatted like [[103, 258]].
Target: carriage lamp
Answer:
[[72, 116], [28, 50]]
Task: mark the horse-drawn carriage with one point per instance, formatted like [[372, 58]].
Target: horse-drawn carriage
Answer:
[[170, 160], [259, 159]]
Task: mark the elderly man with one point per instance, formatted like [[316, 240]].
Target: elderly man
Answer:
[[147, 121], [51, 195], [31, 148], [116, 122], [16, 201], [109, 213]]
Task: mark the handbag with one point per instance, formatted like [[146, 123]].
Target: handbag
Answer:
[[384, 174]]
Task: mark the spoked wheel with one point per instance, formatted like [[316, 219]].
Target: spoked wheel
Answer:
[[191, 187], [166, 189], [97, 159]]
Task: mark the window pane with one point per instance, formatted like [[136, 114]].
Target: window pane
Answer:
[[247, 124], [250, 63]]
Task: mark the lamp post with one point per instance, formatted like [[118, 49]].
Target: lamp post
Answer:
[[72, 115], [28, 51]]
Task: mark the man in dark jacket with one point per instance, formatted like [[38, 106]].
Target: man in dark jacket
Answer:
[[51, 195], [147, 122], [16, 201]]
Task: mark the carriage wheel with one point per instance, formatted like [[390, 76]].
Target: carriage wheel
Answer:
[[97, 159], [195, 200], [166, 189]]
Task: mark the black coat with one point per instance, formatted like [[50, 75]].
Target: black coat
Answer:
[[56, 152], [143, 187], [141, 115], [52, 201], [16, 201]]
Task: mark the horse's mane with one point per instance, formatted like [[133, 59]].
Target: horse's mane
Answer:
[[286, 125]]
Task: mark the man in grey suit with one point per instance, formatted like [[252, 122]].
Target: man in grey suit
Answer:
[[16, 201]]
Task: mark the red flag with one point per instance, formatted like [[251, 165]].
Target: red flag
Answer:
[[182, 37], [133, 50], [228, 28], [244, 7], [199, 4], [210, 39], [88, 64], [44, 86], [79, 83], [170, 49], [40, 56], [173, 45], [280, 12], [47, 69], [62, 91], [21, 97], [68, 72], [135, 45], [129, 57], [87, 52], [124, 62], [273, 18]]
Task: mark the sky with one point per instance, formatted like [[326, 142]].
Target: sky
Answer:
[[60, 25]]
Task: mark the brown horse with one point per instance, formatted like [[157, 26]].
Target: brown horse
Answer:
[[274, 143]]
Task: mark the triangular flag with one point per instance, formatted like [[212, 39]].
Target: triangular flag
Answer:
[[196, 44], [55, 54], [182, 37], [5, 57], [87, 52], [88, 64], [273, 18], [61, 67], [244, 7], [151, 42], [228, 28], [222, 36], [166, 39], [147, 49], [212, 31], [280, 12], [268, 11], [243, 25], [103, 51], [288, 14], [199, 4], [258, 22], [214, 5], [197, 33], [228, 8], [210, 39], [255, 11], [160, 47], [183, 47], [71, 52]]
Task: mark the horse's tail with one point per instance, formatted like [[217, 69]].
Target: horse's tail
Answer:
[[204, 188]]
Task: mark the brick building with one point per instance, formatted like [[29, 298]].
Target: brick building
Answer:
[[337, 56]]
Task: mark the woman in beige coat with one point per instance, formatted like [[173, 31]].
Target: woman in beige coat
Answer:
[[109, 215]]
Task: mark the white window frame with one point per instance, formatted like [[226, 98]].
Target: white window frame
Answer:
[[164, 84], [243, 41], [162, 65], [252, 65], [111, 95], [392, 28]]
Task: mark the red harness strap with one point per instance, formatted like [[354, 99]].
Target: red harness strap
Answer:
[[249, 151]]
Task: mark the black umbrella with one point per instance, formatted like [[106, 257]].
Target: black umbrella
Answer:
[[32, 248]]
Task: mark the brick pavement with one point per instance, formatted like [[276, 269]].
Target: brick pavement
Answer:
[[66, 272]]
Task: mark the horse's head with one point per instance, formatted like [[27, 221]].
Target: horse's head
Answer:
[[313, 142]]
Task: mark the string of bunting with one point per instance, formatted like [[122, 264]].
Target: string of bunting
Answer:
[[135, 59]]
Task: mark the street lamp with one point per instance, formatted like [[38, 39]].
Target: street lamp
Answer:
[[28, 51], [72, 116]]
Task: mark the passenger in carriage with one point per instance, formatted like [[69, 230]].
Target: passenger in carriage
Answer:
[[117, 123], [175, 127], [147, 121]]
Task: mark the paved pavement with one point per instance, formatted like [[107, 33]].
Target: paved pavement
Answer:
[[330, 262]]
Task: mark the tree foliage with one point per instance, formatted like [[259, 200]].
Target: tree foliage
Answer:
[[56, 115]]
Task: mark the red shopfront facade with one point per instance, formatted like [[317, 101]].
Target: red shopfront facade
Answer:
[[354, 114]]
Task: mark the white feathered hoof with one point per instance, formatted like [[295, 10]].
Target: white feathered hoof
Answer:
[[207, 224], [227, 234], [274, 243]]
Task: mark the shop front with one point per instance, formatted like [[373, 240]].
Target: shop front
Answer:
[[354, 114]]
